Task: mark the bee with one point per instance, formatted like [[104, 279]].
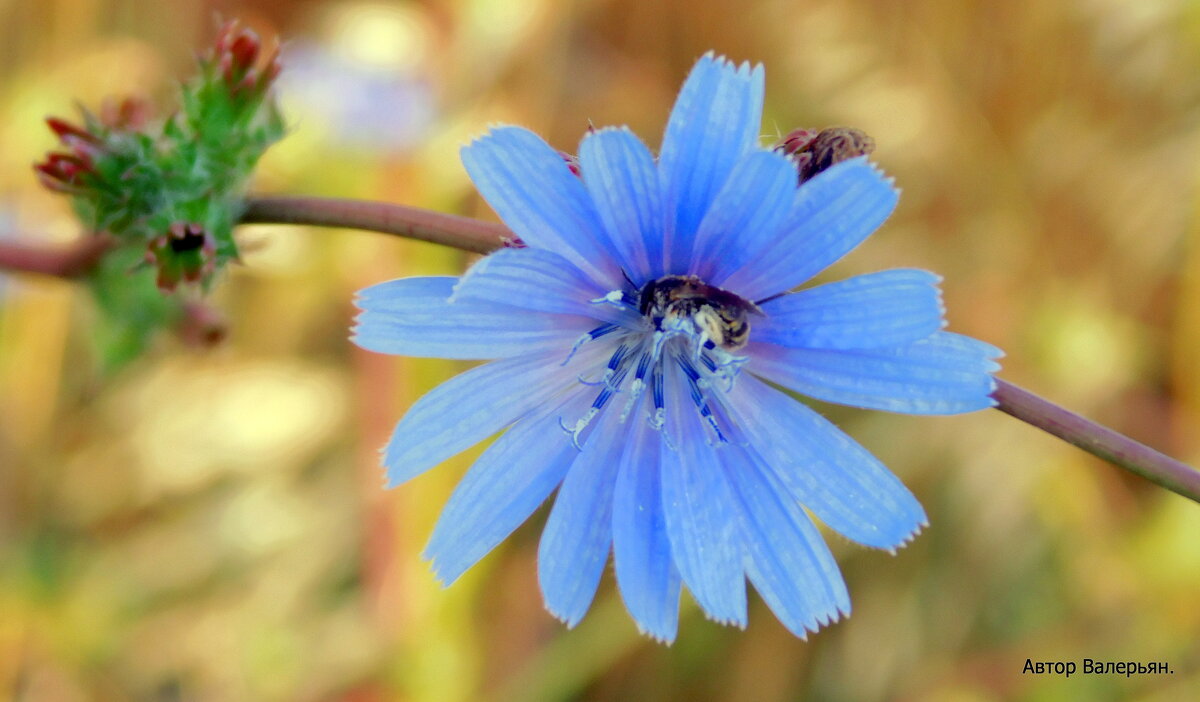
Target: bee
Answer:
[[720, 316]]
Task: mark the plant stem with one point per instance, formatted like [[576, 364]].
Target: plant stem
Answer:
[[70, 261], [410, 222], [1098, 440], [483, 237]]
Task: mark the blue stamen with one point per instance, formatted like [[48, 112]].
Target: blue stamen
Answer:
[[638, 386], [688, 369], [656, 391], [610, 389], [643, 366], [614, 364], [696, 384], [603, 329], [618, 356]]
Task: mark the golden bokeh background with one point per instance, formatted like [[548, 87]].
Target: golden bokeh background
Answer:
[[210, 525]]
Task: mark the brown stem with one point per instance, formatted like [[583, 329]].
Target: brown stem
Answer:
[[410, 222], [70, 261], [1098, 440]]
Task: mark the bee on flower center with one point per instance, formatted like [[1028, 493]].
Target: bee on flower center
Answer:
[[719, 315]]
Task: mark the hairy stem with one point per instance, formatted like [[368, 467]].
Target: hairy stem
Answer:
[[483, 237]]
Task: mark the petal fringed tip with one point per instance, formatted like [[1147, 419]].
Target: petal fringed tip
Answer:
[[501, 489], [534, 191], [470, 407], [876, 310], [944, 373], [645, 568], [715, 121], [622, 177], [578, 534], [832, 214], [825, 470]]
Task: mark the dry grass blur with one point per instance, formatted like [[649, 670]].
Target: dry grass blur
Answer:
[[210, 526]]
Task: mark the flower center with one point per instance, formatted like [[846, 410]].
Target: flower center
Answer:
[[687, 327]]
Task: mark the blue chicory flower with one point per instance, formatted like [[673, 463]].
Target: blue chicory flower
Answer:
[[640, 337]]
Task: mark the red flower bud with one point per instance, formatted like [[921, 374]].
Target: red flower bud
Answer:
[[236, 53], [64, 130], [58, 185], [63, 172], [244, 49]]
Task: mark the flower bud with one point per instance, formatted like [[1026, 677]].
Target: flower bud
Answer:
[[185, 252], [816, 151], [63, 173], [65, 130], [236, 53], [244, 50]]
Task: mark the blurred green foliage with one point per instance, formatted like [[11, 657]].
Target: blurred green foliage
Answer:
[[167, 193], [212, 526]]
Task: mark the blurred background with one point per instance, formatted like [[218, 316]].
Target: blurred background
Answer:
[[210, 525]]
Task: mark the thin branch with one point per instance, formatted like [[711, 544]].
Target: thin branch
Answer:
[[483, 237], [70, 261], [1098, 440], [410, 222]]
